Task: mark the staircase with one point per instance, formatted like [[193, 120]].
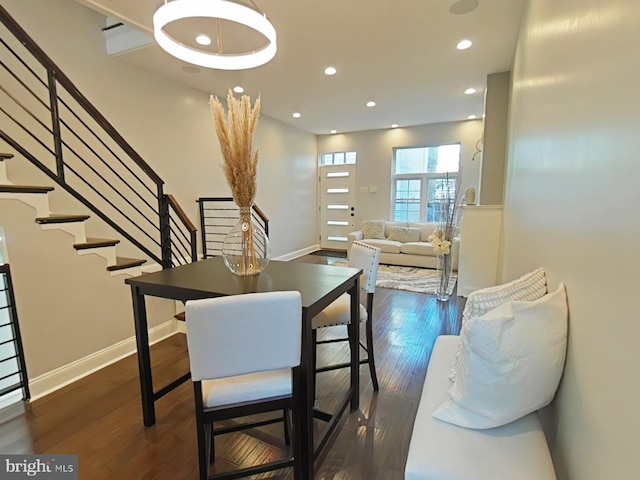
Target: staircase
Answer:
[[47, 121], [37, 197]]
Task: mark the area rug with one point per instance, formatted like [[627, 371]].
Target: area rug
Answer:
[[421, 280]]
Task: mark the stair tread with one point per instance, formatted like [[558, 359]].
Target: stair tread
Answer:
[[125, 262], [5, 156], [25, 189], [96, 243], [62, 218]]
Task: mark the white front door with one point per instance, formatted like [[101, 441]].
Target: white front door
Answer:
[[337, 209]]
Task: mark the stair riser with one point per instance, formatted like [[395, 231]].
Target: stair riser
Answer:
[[108, 253], [73, 228], [4, 180], [38, 201]]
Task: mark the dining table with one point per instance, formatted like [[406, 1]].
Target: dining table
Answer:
[[319, 285]]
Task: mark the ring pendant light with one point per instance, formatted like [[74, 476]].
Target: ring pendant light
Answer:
[[220, 10]]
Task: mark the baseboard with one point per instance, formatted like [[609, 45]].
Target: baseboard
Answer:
[[298, 253], [60, 377]]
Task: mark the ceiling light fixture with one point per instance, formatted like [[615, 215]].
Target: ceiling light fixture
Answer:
[[394, 125], [238, 89], [371, 104], [219, 10], [464, 44], [296, 115], [333, 132], [470, 91], [471, 117], [330, 71], [203, 39]]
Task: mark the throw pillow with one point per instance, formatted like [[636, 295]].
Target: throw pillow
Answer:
[[373, 229], [404, 234], [510, 364], [529, 286]]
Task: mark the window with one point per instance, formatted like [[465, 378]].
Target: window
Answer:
[[338, 158], [423, 178]]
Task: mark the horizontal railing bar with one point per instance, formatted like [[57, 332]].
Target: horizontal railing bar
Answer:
[[177, 241], [5, 325], [29, 112], [8, 341], [116, 208], [10, 375], [11, 388], [9, 358], [27, 131], [24, 64], [179, 232], [107, 183], [103, 144], [25, 86]]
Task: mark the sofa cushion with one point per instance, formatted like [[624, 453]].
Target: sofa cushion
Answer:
[[373, 229], [404, 234], [439, 450], [386, 246], [510, 364], [426, 229], [418, 248]]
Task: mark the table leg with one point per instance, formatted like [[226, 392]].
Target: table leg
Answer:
[[304, 383], [354, 344], [144, 357]]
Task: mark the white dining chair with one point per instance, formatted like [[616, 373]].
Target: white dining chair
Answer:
[[242, 349], [367, 258]]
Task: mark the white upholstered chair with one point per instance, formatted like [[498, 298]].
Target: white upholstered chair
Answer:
[[242, 349], [367, 258]]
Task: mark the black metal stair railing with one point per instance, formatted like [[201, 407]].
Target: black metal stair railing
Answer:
[[48, 121], [13, 370], [218, 215]]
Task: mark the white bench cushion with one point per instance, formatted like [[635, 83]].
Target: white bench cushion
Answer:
[[441, 451]]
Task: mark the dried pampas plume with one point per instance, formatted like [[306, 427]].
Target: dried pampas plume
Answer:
[[235, 134]]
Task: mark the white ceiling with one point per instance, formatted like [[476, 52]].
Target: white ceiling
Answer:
[[400, 53]]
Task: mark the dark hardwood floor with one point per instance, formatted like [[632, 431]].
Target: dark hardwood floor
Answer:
[[99, 417]]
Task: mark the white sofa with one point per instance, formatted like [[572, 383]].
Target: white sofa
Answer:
[[409, 254], [442, 451]]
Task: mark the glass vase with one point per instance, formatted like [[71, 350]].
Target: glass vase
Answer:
[[444, 277], [246, 248]]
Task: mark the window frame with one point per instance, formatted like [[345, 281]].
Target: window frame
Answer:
[[425, 178]]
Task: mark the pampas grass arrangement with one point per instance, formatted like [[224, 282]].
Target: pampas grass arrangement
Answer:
[[240, 166], [235, 134]]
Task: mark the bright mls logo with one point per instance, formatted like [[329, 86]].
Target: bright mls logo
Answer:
[[50, 467]]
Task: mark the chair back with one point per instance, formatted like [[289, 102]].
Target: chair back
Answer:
[[367, 258], [241, 334]]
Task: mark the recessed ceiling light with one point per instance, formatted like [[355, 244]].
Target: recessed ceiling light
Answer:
[[464, 44], [472, 117], [394, 125], [470, 91], [296, 115], [203, 39], [371, 104], [238, 89], [333, 132], [330, 71], [463, 6]]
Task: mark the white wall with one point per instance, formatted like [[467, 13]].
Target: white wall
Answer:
[[69, 306], [374, 150], [571, 206]]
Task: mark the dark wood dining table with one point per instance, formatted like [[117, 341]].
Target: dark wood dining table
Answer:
[[319, 285]]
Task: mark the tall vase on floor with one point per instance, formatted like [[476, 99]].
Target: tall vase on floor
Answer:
[[444, 277], [246, 249]]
